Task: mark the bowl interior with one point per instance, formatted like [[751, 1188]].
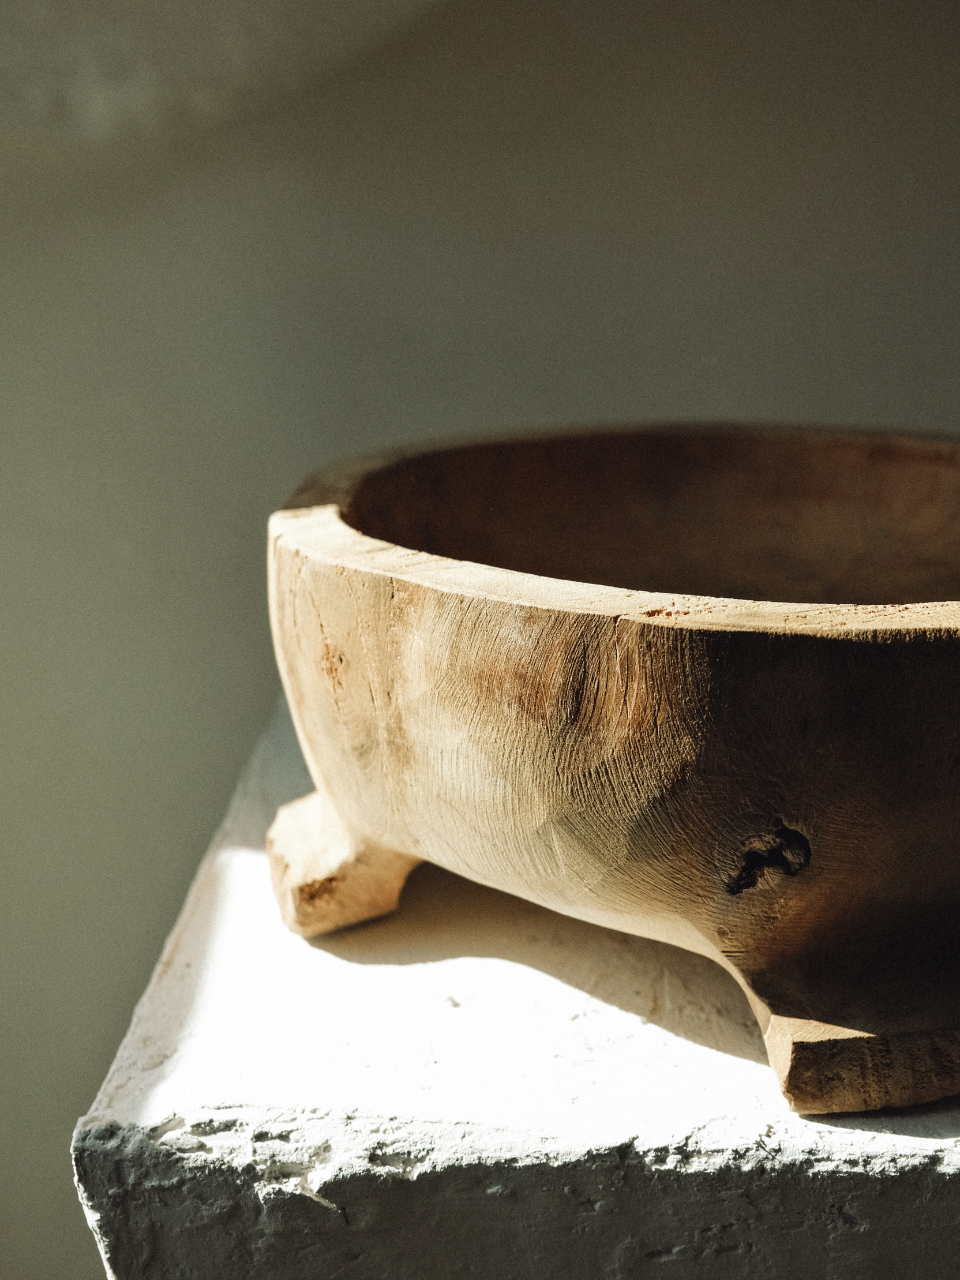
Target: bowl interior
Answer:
[[796, 516]]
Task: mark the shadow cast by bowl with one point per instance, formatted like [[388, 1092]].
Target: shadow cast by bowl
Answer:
[[442, 916], [938, 1121]]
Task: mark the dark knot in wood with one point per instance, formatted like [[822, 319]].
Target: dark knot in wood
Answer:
[[783, 849]]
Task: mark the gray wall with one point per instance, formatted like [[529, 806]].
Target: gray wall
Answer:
[[521, 211]]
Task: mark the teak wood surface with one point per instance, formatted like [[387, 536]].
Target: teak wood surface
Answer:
[[563, 667]]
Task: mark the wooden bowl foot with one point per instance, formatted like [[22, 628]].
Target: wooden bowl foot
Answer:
[[825, 1069], [322, 877]]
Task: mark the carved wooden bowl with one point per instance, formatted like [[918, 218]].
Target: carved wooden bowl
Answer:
[[697, 684]]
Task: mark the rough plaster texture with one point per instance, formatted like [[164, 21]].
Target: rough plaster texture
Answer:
[[95, 70], [474, 1086]]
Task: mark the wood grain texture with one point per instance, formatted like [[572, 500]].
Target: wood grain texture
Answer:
[[565, 668]]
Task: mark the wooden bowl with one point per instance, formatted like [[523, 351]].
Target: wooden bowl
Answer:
[[697, 684]]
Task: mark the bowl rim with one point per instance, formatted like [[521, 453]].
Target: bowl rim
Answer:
[[312, 524]]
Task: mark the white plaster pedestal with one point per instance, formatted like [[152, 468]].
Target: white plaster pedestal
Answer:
[[474, 1087]]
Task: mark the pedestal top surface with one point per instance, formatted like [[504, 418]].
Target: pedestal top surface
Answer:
[[467, 1019], [468, 1030]]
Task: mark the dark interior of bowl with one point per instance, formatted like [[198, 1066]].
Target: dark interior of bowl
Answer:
[[797, 516]]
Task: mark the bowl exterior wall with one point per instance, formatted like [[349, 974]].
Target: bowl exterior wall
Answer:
[[789, 804]]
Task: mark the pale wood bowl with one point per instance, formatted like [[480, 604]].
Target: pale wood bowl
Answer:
[[564, 667]]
